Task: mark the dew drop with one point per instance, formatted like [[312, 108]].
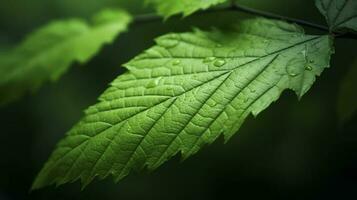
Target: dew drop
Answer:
[[308, 67], [219, 63], [293, 67], [311, 61], [176, 62], [219, 45], [293, 74], [153, 83], [303, 52], [209, 59], [253, 90]]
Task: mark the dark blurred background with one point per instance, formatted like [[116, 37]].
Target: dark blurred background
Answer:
[[293, 150]]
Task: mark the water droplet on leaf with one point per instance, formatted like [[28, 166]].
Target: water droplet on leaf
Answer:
[[214, 104], [294, 68], [303, 52], [293, 74], [176, 62], [219, 63], [153, 83], [308, 67]]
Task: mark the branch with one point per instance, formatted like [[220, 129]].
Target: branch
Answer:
[[147, 18], [252, 11]]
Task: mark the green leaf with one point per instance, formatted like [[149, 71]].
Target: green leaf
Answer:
[[168, 8], [48, 52], [184, 93], [347, 98], [339, 14]]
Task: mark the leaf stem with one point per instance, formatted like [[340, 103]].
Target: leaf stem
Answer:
[[145, 18], [253, 11], [152, 17]]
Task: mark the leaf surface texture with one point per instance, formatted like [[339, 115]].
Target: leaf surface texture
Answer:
[[183, 93]]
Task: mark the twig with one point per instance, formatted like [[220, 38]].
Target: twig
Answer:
[[145, 18], [252, 11], [152, 17]]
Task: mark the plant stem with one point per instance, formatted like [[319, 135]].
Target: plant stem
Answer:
[[252, 11], [145, 18], [152, 17]]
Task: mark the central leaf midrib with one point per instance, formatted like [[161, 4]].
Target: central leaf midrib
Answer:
[[184, 127], [143, 138]]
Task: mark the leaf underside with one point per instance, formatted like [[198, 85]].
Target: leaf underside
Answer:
[[184, 93], [48, 52], [168, 8], [340, 14]]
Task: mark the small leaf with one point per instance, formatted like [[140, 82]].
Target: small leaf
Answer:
[[184, 93], [48, 52], [168, 8], [347, 98], [339, 14]]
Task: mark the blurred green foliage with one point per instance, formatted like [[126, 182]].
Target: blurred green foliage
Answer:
[[49, 51]]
